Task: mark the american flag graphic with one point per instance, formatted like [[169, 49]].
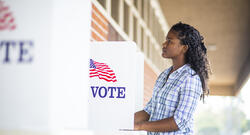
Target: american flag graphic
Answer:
[[7, 21], [102, 71]]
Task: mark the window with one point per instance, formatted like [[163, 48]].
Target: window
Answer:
[[149, 13], [135, 29], [146, 10], [115, 10], [102, 2], [151, 22], [148, 47], [154, 27], [136, 3], [142, 39], [126, 18], [157, 32], [142, 9], [134, 26]]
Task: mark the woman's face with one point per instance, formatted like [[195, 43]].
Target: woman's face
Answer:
[[172, 48]]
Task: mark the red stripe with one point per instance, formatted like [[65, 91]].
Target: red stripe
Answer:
[[109, 80], [101, 72], [3, 9], [93, 74], [108, 76], [105, 72], [103, 68], [13, 27], [110, 70], [3, 27], [2, 20], [94, 71], [11, 20], [6, 15]]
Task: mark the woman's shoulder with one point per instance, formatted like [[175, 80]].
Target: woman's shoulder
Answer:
[[191, 80], [190, 73]]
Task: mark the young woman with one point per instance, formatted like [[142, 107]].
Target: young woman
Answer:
[[178, 89]]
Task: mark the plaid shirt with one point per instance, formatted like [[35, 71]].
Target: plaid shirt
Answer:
[[177, 97]]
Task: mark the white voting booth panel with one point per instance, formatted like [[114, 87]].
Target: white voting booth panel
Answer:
[[45, 86], [44, 60], [112, 85]]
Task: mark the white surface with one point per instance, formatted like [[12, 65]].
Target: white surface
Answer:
[[24, 87], [114, 113], [50, 93], [139, 92], [70, 63]]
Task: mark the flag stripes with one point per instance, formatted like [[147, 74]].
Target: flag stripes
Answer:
[[102, 71]]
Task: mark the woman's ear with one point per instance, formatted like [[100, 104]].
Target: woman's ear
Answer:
[[185, 48]]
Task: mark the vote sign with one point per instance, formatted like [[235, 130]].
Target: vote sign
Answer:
[[112, 75]]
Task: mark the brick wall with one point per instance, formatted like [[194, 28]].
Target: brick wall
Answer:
[[99, 25], [149, 80], [102, 30]]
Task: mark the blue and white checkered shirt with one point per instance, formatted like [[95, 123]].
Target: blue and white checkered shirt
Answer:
[[178, 97]]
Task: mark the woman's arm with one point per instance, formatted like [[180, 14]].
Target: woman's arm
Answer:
[[164, 125], [188, 100], [141, 116]]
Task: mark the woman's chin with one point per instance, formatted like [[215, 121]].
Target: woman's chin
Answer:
[[164, 55]]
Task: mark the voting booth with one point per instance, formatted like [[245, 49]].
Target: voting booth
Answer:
[[113, 85], [44, 60]]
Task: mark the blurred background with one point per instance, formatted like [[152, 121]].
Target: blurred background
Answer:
[[224, 24]]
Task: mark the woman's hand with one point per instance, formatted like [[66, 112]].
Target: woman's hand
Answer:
[[138, 125], [140, 118]]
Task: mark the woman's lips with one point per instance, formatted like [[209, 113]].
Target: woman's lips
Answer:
[[164, 50]]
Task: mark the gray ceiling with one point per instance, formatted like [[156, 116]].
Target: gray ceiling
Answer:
[[225, 24]]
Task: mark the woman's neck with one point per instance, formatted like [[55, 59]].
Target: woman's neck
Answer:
[[177, 63]]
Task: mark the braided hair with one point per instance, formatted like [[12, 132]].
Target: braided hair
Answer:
[[196, 54]]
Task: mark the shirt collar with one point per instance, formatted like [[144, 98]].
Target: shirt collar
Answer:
[[179, 70]]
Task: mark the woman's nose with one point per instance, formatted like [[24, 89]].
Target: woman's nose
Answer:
[[164, 44]]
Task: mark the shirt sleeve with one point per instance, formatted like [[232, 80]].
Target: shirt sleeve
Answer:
[[188, 99], [148, 107]]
